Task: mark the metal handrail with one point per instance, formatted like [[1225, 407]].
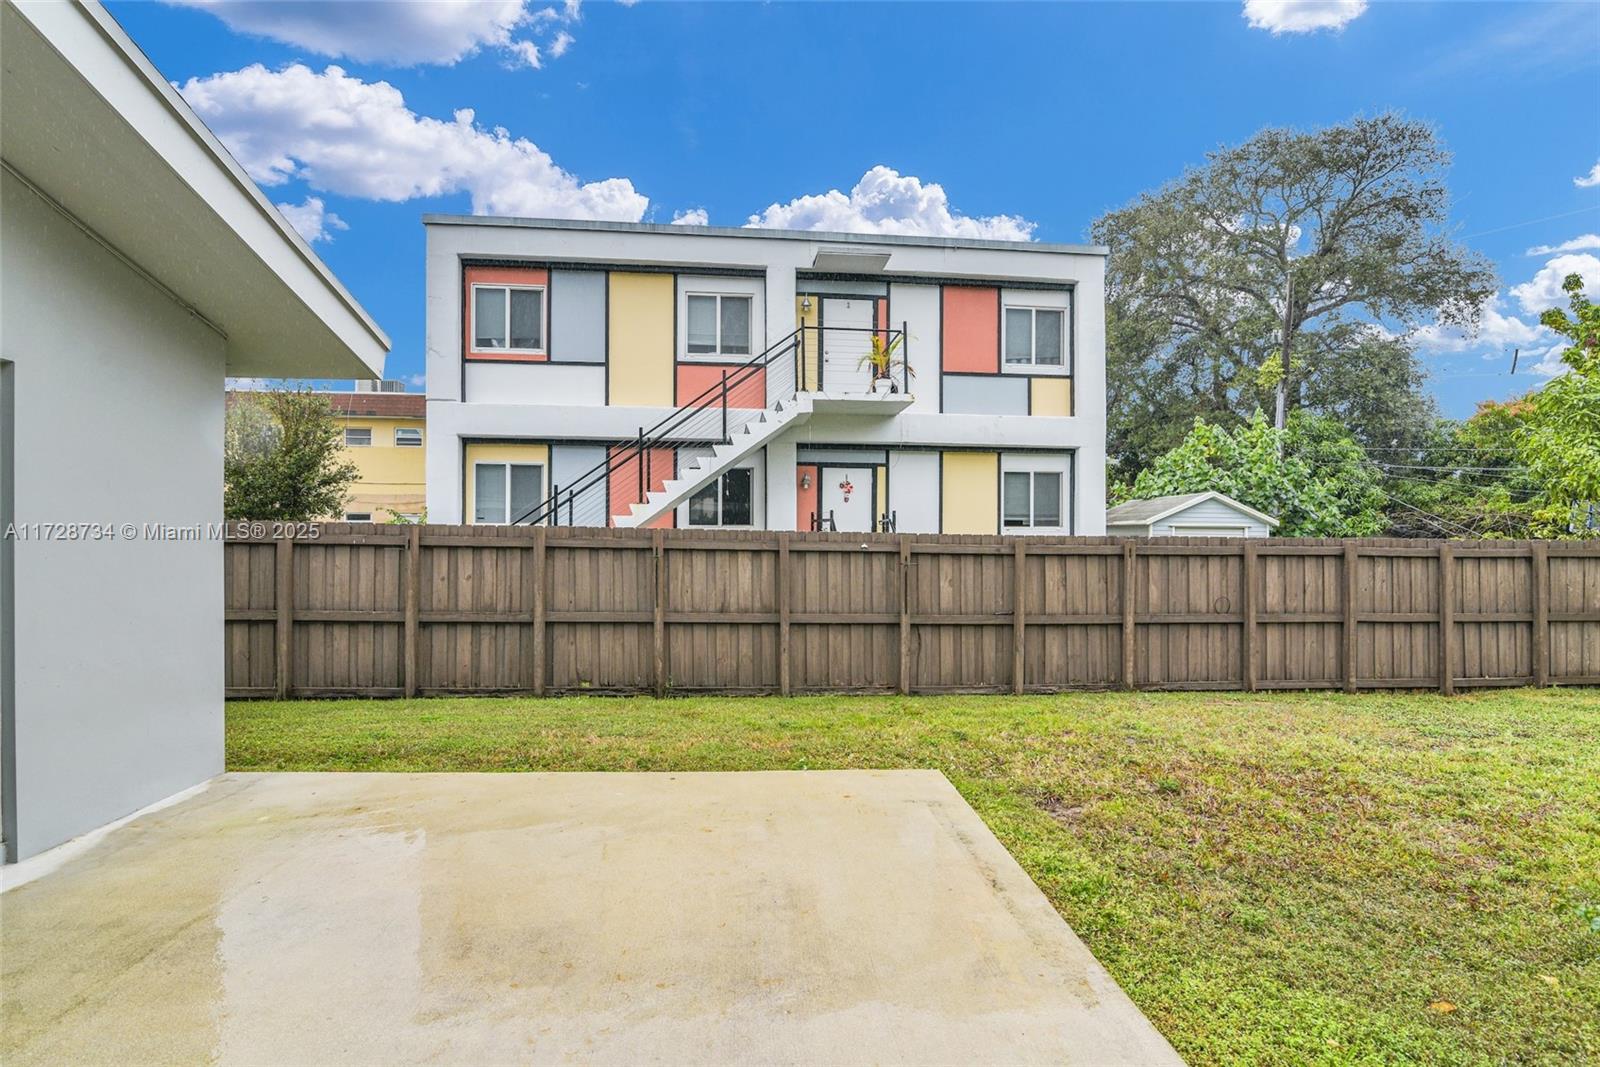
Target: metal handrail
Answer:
[[650, 436]]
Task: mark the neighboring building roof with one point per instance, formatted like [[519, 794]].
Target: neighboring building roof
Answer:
[[1155, 508], [95, 131], [368, 405], [380, 405], [828, 237]]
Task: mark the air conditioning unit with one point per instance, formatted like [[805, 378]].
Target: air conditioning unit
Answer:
[[379, 386]]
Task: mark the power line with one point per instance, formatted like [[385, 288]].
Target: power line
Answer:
[[1421, 467], [1530, 222]]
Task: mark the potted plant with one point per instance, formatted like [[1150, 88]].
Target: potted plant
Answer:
[[880, 356]]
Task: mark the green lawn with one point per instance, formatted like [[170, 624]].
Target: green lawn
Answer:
[[1274, 879]]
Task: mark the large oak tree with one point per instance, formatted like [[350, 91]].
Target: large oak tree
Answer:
[[1286, 272]]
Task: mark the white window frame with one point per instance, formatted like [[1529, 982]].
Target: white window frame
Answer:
[[409, 443], [1034, 463], [544, 485], [544, 318], [1033, 366], [718, 355], [348, 430]]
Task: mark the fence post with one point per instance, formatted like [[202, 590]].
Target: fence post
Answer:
[[905, 614], [1447, 627], [1351, 567], [1247, 644], [658, 547], [413, 608], [285, 624], [1019, 572], [1541, 613], [1129, 549], [536, 660], [783, 612]]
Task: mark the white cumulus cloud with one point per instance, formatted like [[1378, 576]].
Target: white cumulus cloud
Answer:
[[353, 138], [312, 219], [1302, 16], [884, 201], [1578, 244], [695, 216], [1588, 181], [397, 32], [1543, 291]]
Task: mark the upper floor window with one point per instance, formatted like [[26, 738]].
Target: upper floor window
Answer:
[[1032, 498], [357, 437], [726, 501], [1035, 338], [719, 324], [508, 318], [407, 437], [505, 492]]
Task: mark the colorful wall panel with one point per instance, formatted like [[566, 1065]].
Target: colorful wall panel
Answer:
[[658, 467], [641, 330], [970, 503], [807, 320], [577, 316], [749, 391], [914, 491], [971, 329], [807, 498], [997, 394], [1052, 396]]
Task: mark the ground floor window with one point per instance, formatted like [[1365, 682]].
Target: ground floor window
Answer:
[[358, 516], [505, 492], [1033, 498], [729, 500]]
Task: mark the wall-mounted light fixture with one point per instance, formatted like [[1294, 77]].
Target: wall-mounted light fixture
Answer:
[[805, 481], [805, 304]]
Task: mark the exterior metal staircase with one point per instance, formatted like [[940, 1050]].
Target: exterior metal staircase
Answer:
[[749, 407], [765, 427]]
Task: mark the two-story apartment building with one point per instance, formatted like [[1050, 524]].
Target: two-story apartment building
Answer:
[[384, 435], [598, 373]]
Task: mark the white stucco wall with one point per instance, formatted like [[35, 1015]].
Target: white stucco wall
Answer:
[[118, 679]]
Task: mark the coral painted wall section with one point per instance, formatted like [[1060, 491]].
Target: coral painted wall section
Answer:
[[502, 276], [971, 330]]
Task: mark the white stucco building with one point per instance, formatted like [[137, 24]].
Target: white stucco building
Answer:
[[595, 373], [139, 267]]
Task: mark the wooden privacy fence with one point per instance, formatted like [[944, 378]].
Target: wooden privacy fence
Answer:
[[396, 610]]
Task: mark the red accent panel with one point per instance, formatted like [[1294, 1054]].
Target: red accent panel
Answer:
[[971, 329], [624, 483], [806, 501], [507, 276], [750, 391]]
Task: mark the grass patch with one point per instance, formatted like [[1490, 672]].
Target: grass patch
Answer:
[[1287, 878]]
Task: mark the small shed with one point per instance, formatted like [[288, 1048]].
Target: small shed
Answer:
[[1188, 515]]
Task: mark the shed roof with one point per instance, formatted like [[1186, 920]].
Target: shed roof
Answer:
[[1155, 508]]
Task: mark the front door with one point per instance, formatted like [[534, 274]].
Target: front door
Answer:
[[848, 493], [846, 337]]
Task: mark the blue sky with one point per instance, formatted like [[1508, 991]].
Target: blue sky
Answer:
[[1031, 119]]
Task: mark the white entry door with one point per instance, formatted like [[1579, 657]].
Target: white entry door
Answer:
[[847, 492], [843, 348]]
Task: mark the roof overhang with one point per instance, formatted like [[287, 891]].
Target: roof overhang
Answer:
[[90, 125], [849, 260]]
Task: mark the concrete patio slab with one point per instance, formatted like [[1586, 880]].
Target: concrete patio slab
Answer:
[[782, 917]]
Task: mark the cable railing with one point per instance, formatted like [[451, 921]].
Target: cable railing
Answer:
[[808, 359]]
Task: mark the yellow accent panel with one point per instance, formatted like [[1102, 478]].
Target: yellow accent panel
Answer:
[[1052, 396], [971, 503], [496, 452], [883, 493], [642, 365], [812, 337]]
